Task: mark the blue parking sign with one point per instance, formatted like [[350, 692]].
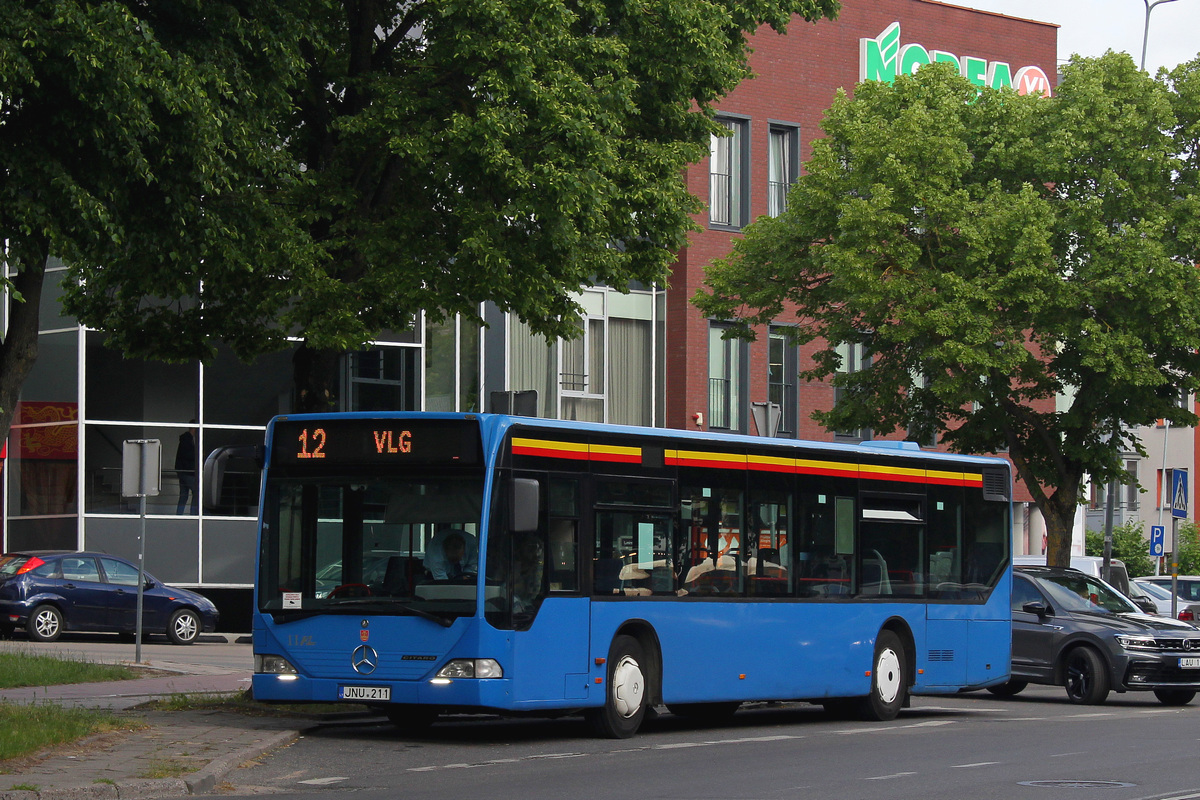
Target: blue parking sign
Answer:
[[1158, 535], [1179, 493]]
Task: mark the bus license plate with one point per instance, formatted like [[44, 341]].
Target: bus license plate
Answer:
[[1189, 663], [364, 693]]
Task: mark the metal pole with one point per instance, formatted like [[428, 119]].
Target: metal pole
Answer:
[[1162, 485], [1110, 501], [142, 489], [1146, 31]]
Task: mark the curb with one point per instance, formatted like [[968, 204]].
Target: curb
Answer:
[[206, 778], [202, 781]]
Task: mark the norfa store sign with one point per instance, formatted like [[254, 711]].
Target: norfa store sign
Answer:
[[883, 58]]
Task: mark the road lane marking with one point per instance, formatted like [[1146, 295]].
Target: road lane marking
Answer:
[[976, 764], [323, 781], [889, 777]]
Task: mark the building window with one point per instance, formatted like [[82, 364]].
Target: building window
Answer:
[[781, 167], [854, 357], [382, 379], [724, 379], [782, 368], [728, 168], [582, 374]]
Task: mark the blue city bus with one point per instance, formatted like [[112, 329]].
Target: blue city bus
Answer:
[[428, 563]]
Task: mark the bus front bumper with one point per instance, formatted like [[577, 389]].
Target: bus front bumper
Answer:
[[492, 693]]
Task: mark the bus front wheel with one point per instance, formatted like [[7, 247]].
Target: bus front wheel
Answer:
[[889, 680], [626, 694]]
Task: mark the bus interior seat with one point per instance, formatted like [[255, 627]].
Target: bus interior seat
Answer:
[[605, 572]]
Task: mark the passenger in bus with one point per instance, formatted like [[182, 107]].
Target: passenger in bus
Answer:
[[452, 554], [529, 564]]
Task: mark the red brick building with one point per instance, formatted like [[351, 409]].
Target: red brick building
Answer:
[[775, 117]]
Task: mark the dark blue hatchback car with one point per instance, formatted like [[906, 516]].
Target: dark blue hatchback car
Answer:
[[48, 592]]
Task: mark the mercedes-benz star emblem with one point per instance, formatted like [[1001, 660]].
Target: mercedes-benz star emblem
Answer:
[[364, 659]]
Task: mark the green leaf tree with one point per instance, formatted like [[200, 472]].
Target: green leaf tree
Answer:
[[450, 152], [127, 130], [1019, 269]]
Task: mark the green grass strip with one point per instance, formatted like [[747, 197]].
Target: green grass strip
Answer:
[[25, 729], [18, 668]]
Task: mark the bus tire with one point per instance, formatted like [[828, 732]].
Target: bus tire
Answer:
[[626, 693], [410, 719], [889, 680], [1085, 676]]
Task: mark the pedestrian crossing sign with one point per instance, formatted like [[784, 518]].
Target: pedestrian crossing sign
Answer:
[[1179, 493]]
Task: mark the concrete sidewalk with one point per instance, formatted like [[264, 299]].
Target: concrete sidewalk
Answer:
[[162, 754]]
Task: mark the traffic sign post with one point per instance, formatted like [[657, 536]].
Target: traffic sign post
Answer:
[[1179, 493], [141, 476], [1179, 510], [1158, 536]]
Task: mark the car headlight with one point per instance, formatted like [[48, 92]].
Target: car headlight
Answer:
[[273, 665], [1137, 642], [471, 668]]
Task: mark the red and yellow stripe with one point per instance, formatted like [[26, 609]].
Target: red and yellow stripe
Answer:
[[581, 451]]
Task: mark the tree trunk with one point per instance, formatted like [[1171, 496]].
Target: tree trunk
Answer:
[[18, 351], [1059, 513], [314, 377]]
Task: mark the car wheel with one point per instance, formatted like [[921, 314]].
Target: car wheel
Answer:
[[889, 680], [45, 624], [626, 694], [184, 626], [1174, 697], [1010, 689], [1086, 677]]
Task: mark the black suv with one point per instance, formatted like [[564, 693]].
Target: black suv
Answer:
[[1073, 630]]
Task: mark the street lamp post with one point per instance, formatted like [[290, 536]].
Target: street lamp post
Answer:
[[1150, 4]]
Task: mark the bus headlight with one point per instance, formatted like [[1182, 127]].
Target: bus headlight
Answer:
[[273, 665], [471, 668]]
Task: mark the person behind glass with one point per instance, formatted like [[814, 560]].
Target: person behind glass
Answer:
[[185, 469], [451, 555], [528, 567]]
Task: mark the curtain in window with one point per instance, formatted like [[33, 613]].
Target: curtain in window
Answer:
[[720, 190], [532, 367], [630, 389]]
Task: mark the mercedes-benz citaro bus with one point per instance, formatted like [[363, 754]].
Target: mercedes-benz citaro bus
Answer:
[[427, 563]]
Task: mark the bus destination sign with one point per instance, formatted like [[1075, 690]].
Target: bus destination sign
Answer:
[[333, 442]]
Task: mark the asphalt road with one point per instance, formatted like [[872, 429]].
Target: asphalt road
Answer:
[[971, 746]]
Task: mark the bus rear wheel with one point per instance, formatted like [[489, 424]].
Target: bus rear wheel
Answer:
[[889, 680], [626, 694]]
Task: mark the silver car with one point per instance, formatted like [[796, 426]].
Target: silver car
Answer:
[[1186, 610]]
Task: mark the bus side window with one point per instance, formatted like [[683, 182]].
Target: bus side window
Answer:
[[561, 558]]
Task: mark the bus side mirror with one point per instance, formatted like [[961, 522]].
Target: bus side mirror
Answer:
[[214, 469], [526, 505]]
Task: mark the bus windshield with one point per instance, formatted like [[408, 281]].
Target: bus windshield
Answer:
[[395, 543]]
